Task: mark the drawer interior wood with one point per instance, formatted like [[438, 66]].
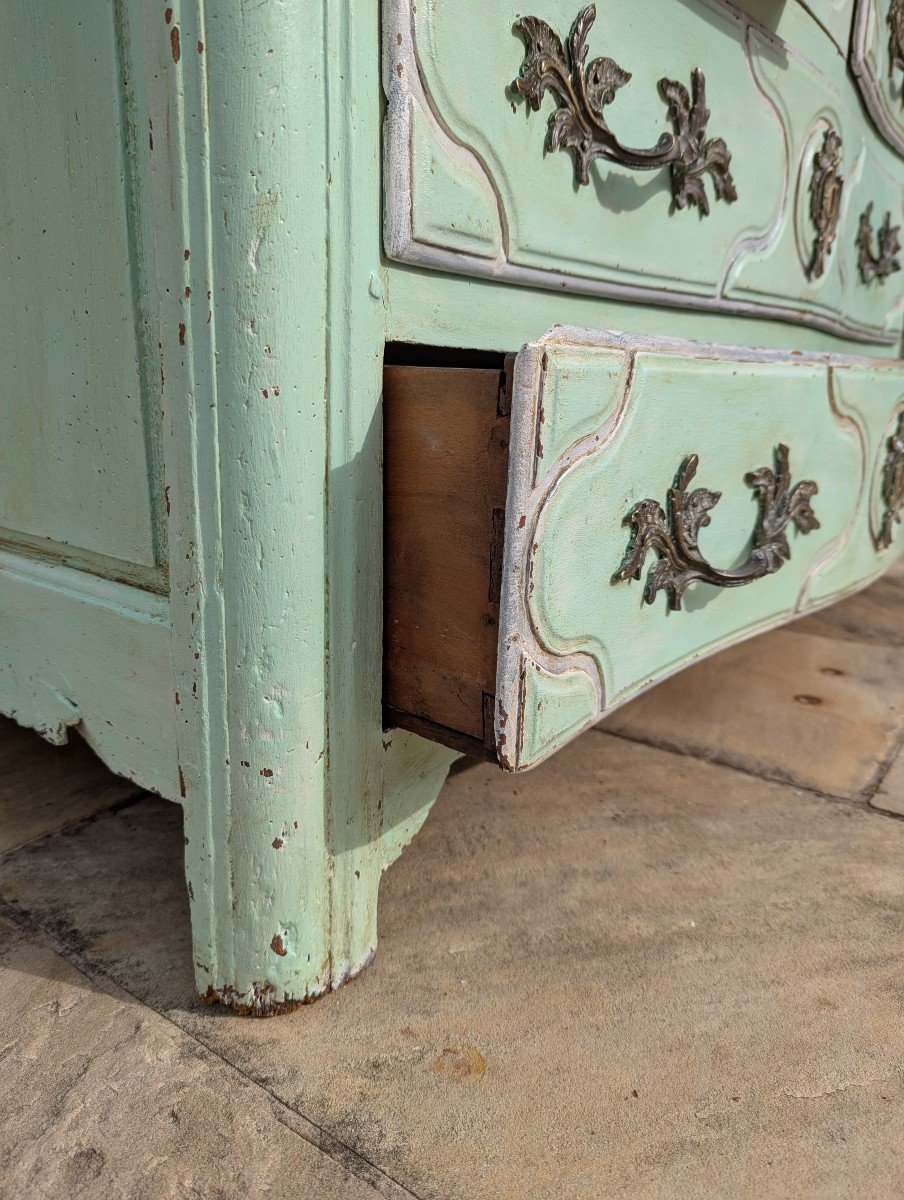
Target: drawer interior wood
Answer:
[[446, 434]]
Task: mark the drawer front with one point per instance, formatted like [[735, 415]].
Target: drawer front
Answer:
[[666, 499], [676, 154]]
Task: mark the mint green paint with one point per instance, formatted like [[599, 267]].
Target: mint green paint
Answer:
[[676, 408], [452, 203], [793, 21], [275, 486], [251, 693], [414, 770], [554, 708], [87, 653], [435, 309], [871, 400], [620, 226], [75, 467], [877, 79], [580, 393], [218, 447]]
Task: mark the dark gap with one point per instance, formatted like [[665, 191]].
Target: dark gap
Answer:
[[425, 728], [405, 354]]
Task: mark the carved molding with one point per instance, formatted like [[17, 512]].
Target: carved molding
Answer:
[[868, 68], [579, 123], [673, 534], [892, 486], [826, 187], [883, 262]]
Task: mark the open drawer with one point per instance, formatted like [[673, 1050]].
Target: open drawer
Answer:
[[567, 526]]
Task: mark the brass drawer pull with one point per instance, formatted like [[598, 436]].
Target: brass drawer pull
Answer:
[[579, 125], [883, 263], [674, 536]]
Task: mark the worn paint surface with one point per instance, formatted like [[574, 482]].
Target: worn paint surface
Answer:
[[877, 77], [79, 650], [833, 16], [231, 448], [251, 695], [275, 489]]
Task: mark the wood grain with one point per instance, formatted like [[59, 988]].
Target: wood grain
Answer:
[[445, 460]]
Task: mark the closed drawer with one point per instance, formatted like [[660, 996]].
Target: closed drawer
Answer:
[[566, 528], [678, 154]]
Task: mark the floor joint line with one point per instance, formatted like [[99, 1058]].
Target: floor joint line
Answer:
[[860, 802], [321, 1139]]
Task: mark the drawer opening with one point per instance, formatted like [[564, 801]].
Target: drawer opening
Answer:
[[445, 455], [410, 354]]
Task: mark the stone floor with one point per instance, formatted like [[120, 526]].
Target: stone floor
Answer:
[[666, 964]]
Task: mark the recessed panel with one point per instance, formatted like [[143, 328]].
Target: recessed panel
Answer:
[[77, 462]]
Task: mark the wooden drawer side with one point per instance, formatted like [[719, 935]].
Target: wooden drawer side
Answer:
[[445, 446]]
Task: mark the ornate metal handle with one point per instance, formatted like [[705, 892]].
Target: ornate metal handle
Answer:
[[883, 263], [579, 124], [674, 536], [895, 21]]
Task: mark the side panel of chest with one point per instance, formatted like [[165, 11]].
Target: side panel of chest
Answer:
[[79, 471]]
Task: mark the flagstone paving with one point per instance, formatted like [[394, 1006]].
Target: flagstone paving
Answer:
[[667, 963]]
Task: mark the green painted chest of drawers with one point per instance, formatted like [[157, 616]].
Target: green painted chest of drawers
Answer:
[[629, 277]]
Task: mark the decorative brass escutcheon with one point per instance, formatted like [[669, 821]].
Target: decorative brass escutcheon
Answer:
[[674, 534], [579, 123]]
